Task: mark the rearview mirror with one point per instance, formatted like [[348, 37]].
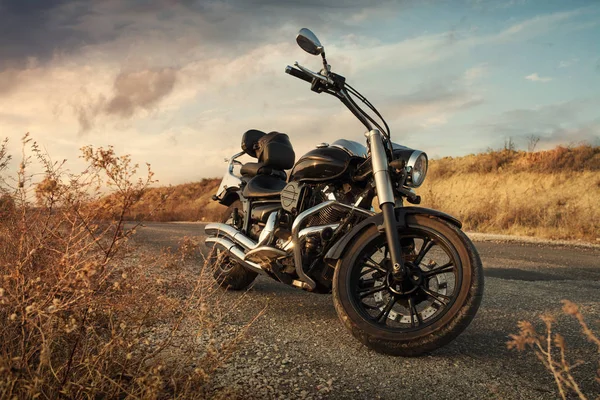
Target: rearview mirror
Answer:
[[309, 42]]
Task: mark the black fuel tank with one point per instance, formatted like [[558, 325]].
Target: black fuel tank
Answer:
[[321, 164]]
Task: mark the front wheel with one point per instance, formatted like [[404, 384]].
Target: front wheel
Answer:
[[434, 303]]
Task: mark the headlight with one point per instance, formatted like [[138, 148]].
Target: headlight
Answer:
[[416, 168]]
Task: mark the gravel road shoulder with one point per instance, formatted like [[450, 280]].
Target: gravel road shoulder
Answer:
[[299, 348]]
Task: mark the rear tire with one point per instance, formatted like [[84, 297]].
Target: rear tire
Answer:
[[228, 273], [415, 322]]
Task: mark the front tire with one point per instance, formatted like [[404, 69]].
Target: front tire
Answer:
[[425, 312], [230, 274]]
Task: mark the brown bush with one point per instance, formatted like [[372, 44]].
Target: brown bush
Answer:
[[551, 349], [83, 314]]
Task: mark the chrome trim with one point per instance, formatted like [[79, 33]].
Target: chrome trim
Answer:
[[266, 235], [297, 224], [265, 253], [379, 160], [410, 164], [236, 252], [228, 231], [316, 229], [351, 147], [229, 178]]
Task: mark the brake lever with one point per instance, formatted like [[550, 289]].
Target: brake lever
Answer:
[[314, 74]]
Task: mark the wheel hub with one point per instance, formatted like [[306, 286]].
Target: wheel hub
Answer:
[[410, 284]]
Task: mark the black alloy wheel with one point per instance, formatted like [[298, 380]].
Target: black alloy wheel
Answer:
[[429, 289], [437, 299]]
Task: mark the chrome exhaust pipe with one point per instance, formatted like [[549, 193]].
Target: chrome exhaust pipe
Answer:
[[229, 232], [236, 252]]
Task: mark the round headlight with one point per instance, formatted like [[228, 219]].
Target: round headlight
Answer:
[[417, 169]]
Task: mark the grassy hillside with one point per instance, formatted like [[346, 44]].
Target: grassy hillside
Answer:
[[551, 194], [186, 202]]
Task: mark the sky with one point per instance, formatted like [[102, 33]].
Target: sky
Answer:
[[175, 83]]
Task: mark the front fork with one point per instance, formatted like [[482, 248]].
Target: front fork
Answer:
[[387, 201]]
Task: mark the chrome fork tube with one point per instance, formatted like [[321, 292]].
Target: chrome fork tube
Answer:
[[385, 194]]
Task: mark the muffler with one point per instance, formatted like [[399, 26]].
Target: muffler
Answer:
[[235, 252], [229, 232]]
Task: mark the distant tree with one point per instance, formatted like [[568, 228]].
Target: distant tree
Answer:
[[509, 144], [532, 141]]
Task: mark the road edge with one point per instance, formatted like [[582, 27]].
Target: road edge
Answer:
[[495, 237]]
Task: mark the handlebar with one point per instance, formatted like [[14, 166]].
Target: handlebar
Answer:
[[298, 74], [336, 85]]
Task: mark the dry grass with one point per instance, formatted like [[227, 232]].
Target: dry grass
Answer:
[[551, 194], [551, 349], [185, 202], [82, 314]]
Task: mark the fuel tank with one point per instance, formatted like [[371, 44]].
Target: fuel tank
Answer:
[[327, 162]]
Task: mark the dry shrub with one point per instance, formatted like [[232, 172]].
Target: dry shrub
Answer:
[[561, 159], [551, 349], [82, 314]]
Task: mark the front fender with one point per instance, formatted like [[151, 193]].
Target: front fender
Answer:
[[337, 250]]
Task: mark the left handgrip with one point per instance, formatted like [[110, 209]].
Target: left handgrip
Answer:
[[298, 74]]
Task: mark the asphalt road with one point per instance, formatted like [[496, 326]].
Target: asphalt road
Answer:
[[299, 348]]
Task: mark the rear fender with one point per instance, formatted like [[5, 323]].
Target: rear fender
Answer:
[[337, 251], [230, 196]]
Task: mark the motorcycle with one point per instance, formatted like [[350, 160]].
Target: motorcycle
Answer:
[[405, 280]]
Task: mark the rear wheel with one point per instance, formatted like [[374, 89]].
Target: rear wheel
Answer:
[[429, 308], [227, 272]]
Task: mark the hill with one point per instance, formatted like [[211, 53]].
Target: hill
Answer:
[[551, 194]]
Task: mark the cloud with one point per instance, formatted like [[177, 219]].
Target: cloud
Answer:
[[39, 29], [474, 74], [568, 63], [554, 123], [536, 78], [140, 89]]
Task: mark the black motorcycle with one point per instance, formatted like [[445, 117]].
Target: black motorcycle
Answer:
[[405, 280]]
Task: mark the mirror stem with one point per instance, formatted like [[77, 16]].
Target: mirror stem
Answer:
[[325, 65]]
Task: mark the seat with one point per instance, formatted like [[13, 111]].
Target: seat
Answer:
[[273, 149], [250, 170], [264, 186]]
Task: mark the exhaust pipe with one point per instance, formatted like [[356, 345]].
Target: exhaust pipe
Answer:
[[229, 232], [236, 252]]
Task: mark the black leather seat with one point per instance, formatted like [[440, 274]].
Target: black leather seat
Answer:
[[264, 186], [275, 154], [250, 170]]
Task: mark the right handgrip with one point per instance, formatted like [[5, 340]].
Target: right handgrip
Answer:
[[298, 74]]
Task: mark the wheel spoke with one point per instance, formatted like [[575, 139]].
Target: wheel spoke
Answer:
[[370, 307], [375, 266], [376, 273], [367, 282], [427, 245], [439, 270], [437, 296], [386, 311], [367, 292], [413, 313]]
